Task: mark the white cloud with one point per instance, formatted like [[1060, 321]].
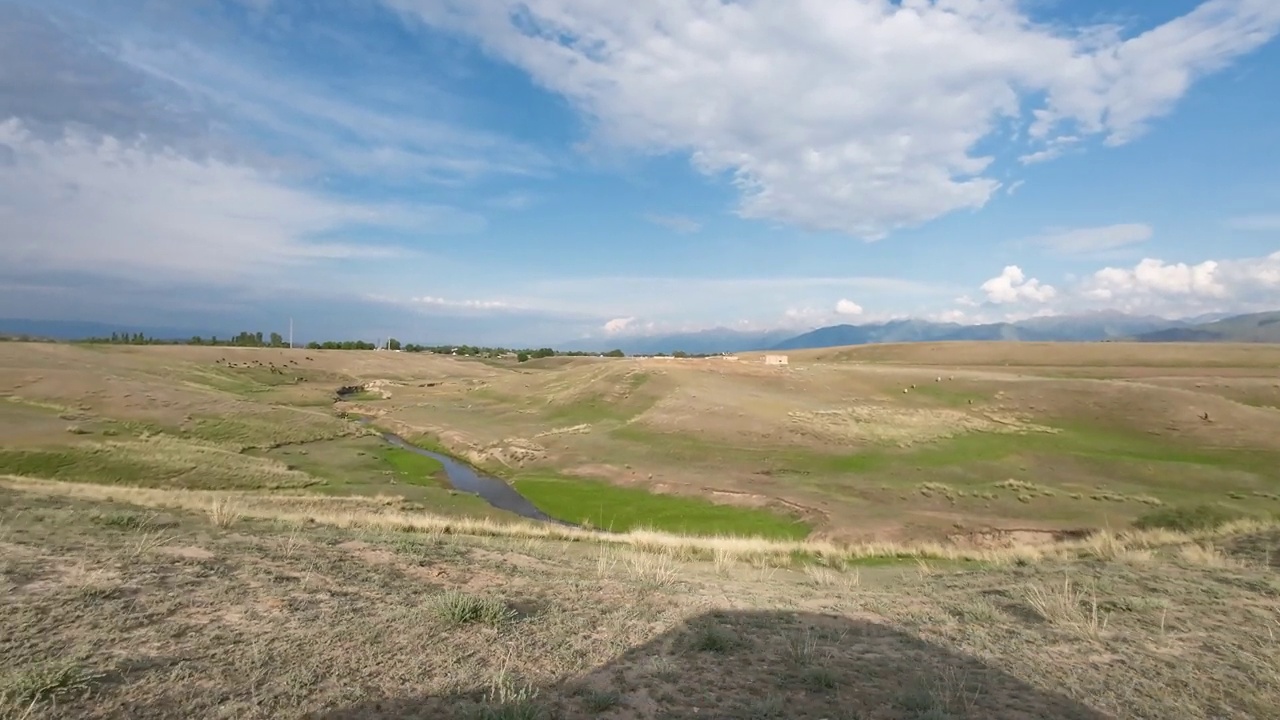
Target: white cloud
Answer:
[[864, 115], [110, 207], [1212, 281], [618, 325], [1056, 148], [676, 223], [1118, 87], [465, 304], [1080, 241], [1151, 286], [1012, 286], [1256, 223], [848, 307]]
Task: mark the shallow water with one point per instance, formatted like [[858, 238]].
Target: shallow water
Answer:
[[463, 477]]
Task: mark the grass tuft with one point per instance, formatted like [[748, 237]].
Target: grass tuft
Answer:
[[1065, 606], [598, 701], [455, 607], [509, 699], [714, 639], [46, 683], [651, 569], [223, 512]]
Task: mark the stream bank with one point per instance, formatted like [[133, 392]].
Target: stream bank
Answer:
[[463, 477]]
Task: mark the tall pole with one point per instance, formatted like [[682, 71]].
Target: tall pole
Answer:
[[290, 333]]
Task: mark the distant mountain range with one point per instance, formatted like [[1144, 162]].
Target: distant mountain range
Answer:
[[703, 342], [1256, 327], [1089, 327]]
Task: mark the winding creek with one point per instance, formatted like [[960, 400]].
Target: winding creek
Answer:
[[463, 477]]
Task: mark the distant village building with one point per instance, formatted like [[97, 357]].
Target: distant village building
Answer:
[[775, 359]]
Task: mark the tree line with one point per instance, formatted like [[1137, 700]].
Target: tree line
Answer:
[[243, 339], [276, 340]]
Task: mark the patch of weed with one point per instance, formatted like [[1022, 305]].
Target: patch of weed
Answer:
[[455, 607]]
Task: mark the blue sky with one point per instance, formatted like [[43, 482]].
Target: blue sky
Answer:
[[531, 172]]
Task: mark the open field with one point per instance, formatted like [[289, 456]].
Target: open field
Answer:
[[873, 442], [195, 532], [140, 607]]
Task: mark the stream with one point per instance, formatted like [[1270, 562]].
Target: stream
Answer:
[[465, 478]]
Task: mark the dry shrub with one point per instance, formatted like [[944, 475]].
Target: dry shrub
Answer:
[[223, 512], [1205, 555], [1066, 606]]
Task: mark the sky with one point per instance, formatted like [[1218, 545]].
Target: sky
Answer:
[[526, 173]]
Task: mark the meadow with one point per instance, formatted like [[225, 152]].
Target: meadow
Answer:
[[908, 532], [907, 442]]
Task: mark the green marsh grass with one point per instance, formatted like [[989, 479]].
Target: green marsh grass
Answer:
[[620, 509]]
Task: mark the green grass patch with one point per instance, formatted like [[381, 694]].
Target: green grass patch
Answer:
[[1081, 442], [361, 466], [413, 468], [619, 509], [266, 429], [619, 404], [1188, 519], [154, 462]]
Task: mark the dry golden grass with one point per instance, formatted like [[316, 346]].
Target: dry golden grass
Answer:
[[114, 609], [383, 514]]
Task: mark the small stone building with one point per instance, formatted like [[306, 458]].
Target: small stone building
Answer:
[[775, 359]]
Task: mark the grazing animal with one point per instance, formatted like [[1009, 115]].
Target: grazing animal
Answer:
[[1205, 417]]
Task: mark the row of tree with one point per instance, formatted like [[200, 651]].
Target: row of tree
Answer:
[[276, 340], [244, 339]]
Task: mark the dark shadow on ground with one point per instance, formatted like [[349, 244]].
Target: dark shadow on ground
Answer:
[[757, 665]]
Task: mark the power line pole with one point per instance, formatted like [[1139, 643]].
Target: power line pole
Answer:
[[290, 333]]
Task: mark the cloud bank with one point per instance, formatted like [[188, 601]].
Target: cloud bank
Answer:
[[863, 116]]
